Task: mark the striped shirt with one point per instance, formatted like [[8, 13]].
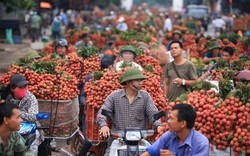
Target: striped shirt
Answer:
[[128, 115]]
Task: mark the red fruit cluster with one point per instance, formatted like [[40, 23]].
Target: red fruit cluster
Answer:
[[98, 90], [189, 44], [98, 40], [241, 136], [74, 65], [89, 65], [145, 60], [153, 87], [165, 128], [49, 49], [225, 117], [73, 36], [62, 86], [224, 122], [241, 49]]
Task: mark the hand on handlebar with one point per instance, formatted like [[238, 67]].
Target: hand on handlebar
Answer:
[[104, 131], [159, 128]]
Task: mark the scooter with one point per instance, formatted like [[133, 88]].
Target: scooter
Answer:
[[28, 130], [131, 141]]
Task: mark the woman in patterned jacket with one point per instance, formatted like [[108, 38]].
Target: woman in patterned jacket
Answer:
[[19, 94]]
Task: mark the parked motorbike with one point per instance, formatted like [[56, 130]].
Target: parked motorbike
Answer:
[[28, 130], [131, 141]]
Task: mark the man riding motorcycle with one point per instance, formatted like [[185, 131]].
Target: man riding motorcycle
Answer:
[[130, 106]]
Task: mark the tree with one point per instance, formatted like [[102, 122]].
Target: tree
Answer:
[[15, 5]]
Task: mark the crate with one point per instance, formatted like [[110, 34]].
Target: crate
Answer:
[[65, 122], [91, 129]]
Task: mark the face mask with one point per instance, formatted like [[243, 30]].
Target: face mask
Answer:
[[20, 92]]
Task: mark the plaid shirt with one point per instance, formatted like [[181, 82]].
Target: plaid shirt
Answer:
[[28, 107], [128, 115], [15, 144]]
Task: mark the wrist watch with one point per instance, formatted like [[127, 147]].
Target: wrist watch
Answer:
[[183, 82]]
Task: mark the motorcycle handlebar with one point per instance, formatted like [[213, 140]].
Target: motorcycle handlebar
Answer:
[[121, 133]]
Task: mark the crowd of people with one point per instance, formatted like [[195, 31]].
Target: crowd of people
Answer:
[[131, 105], [57, 21]]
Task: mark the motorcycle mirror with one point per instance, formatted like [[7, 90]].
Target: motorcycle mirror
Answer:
[[107, 113], [42, 116], [158, 115]]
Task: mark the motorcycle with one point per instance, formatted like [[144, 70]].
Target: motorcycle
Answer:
[[131, 141], [28, 130]]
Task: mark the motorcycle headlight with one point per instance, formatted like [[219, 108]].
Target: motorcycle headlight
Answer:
[[133, 135]]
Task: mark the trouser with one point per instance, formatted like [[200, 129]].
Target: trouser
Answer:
[[71, 25], [34, 34], [85, 148], [109, 142], [82, 117], [36, 143], [56, 34]]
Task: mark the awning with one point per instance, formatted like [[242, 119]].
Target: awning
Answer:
[[45, 5]]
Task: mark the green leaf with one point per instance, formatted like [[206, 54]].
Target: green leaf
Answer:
[[218, 103], [240, 140], [229, 138], [98, 75], [149, 68], [183, 97], [69, 78]]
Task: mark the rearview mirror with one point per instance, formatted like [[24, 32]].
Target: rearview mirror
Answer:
[[107, 113], [42, 116], [158, 115]]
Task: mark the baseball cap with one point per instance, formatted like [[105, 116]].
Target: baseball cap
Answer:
[[18, 80]]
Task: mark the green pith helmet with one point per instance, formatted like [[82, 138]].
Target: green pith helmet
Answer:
[[127, 48], [132, 74], [213, 45], [177, 32], [32, 54]]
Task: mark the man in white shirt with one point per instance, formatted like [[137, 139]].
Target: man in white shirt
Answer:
[[220, 24], [121, 24], [168, 24], [128, 54]]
